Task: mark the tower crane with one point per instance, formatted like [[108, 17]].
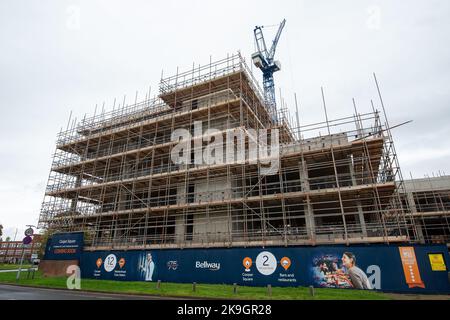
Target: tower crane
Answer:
[[264, 60]]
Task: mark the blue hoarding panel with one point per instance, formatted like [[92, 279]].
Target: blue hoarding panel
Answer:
[[64, 246], [382, 267]]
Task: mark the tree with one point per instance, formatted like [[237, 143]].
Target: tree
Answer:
[[8, 239], [1, 231], [44, 236]]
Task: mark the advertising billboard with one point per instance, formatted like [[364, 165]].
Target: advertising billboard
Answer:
[[64, 246], [374, 267]]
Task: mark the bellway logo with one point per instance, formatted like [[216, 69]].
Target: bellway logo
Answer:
[[213, 266]]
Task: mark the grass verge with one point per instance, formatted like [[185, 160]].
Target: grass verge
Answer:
[[202, 290]]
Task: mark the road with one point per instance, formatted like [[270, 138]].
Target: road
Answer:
[[11, 292]]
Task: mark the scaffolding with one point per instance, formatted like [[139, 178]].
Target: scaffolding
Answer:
[[113, 178], [429, 200]]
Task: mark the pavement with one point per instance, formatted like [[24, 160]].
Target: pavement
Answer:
[[12, 292], [21, 270], [398, 296]]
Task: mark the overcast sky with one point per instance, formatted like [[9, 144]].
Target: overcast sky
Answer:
[[57, 56]]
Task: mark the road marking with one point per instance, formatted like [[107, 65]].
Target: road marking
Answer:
[[15, 270]]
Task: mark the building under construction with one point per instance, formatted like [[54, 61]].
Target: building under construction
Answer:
[[429, 201], [337, 181]]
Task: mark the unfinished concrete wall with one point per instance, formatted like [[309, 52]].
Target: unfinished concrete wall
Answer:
[[217, 189], [212, 229]]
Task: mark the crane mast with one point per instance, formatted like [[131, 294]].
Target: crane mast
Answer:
[[264, 60]]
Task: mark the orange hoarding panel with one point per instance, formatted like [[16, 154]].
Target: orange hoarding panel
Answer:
[[410, 267]]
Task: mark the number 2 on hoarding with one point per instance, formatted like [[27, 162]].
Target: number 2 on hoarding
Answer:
[[265, 261]]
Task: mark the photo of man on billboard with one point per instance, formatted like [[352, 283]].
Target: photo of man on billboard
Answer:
[[147, 266]]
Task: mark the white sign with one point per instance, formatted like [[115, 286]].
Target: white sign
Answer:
[[29, 232], [110, 263], [266, 263]]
